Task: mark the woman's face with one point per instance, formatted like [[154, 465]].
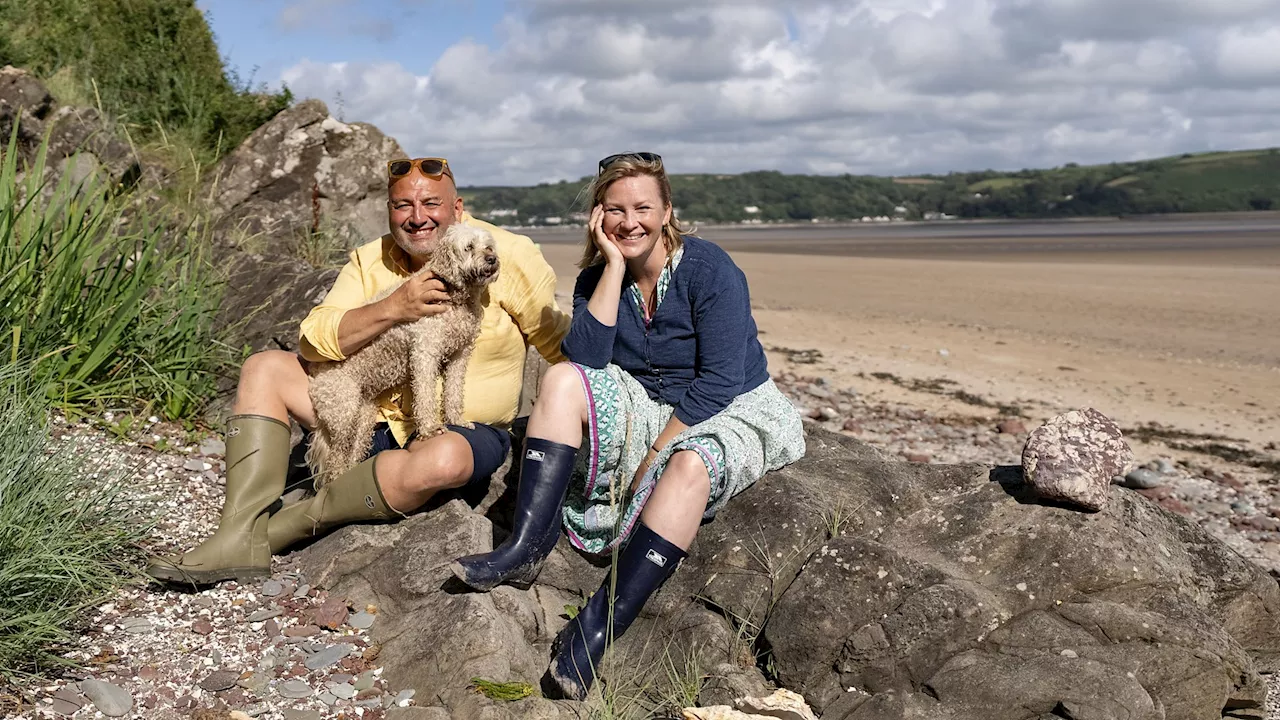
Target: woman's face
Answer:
[[634, 215]]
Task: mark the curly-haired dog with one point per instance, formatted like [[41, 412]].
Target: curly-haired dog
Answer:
[[344, 393]]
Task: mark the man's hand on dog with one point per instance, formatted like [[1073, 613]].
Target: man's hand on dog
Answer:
[[420, 296]]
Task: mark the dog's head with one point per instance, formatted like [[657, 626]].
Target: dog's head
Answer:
[[465, 257]]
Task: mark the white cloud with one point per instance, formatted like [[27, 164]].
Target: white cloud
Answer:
[[879, 86]]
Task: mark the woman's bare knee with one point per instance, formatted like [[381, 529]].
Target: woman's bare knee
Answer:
[[686, 470], [561, 391]]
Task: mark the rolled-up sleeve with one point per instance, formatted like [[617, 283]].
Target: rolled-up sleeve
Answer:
[[721, 311], [589, 342], [318, 334], [533, 303]]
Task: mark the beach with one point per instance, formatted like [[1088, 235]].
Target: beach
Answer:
[[1175, 322]]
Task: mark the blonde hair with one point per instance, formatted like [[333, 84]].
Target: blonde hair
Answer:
[[625, 167]]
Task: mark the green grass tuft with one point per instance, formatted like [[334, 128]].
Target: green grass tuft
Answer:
[[110, 307], [66, 539]]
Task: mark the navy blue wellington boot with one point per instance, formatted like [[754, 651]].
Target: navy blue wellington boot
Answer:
[[645, 563], [544, 479]]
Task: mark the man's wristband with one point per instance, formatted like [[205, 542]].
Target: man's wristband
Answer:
[[655, 448]]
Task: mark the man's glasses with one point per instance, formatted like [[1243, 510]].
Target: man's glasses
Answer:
[[647, 157], [432, 167]]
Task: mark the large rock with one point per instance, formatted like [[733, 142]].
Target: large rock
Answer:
[[876, 589], [302, 174]]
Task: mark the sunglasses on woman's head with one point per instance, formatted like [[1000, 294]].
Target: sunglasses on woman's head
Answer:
[[432, 167], [647, 157]]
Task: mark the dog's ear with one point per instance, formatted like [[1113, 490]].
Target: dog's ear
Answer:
[[447, 259]]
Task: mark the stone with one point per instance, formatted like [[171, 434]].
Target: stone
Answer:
[[856, 570], [220, 680], [343, 690], [110, 700], [295, 689], [782, 704], [264, 614], [327, 698], [328, 656], [1011, 427], [298, 631], [1143, 479], [299, 714], [362, 620], [272, 588], [213, 447], [202, 627], [302, 591], [331, 614], [136, 626], [196, 465], [365, 681], [1072, 458], [66, 701]]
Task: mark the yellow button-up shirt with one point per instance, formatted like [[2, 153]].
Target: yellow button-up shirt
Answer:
[[520, 310]]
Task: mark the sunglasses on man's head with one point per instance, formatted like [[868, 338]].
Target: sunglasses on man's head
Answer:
[[647, 157], [432, 167]]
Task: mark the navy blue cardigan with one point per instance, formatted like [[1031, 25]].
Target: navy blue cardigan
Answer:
[[700, 350]]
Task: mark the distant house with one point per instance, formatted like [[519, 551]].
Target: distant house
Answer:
[[751, 209], [503, 212]]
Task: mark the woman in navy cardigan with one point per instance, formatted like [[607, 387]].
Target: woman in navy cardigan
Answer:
[[668, 383]]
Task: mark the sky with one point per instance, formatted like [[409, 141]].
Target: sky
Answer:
[[528, 91]]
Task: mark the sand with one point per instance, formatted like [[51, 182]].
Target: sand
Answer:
[[1181, 333]]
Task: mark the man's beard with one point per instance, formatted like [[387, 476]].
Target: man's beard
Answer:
[[421, 250]]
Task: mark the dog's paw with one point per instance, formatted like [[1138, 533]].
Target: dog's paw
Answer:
[[431, 431]]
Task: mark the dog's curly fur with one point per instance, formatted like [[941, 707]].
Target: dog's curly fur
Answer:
[[344, 393]]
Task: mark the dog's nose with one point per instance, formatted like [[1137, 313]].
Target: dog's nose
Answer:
[[491, 260]]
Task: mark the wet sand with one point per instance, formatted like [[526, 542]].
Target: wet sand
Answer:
[[1148, 323]]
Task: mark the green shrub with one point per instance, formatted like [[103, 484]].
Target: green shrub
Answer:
[[66, 540], [153, 63], [110, 307]]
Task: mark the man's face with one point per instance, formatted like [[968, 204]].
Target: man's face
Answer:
[[419, 210]]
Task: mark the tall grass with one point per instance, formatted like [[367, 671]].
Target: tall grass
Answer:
[[110, 305], [66, 540]]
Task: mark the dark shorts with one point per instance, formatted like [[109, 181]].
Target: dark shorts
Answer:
[[489, 448]]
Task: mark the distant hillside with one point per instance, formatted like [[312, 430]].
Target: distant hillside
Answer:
[[1209, 182]]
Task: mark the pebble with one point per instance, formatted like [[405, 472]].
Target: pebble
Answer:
[[295, 689], [196, 465], [365, 681], [110, 700], [136, 626], [1069, 653], [220, 680], [302, 591], [343, 690], [67, 701], [404, 696], [362, 620], [213, 446], [264, 614], [1143, 479], [1243, 507], [1162, 465], [327, 698], [300, 714], [272, 588], [328, 656]]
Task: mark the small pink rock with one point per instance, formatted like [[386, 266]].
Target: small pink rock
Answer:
[[917, 457], [301, 631], [1011, 427], [332, 614], [202, 627]]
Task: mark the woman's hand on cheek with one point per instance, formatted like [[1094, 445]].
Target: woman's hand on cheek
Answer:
[[612, 255]]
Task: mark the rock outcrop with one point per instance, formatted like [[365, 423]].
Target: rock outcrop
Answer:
[[303, 173], [80, 140], [874, 588]]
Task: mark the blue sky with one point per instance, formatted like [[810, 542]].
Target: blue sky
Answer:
[[275, 34], [526, 91]]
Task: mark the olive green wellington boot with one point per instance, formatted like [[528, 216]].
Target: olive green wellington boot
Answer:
[[351, 497], [257, 458]]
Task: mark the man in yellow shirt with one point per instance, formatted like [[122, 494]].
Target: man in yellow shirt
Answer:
[[402, 473]]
